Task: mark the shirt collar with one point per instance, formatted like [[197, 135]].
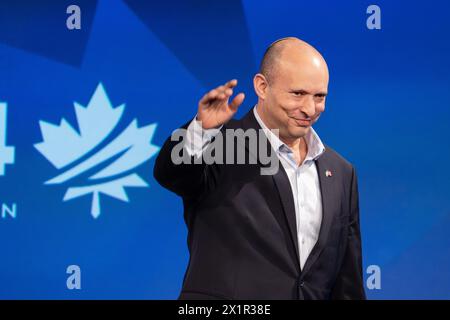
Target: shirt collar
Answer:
[[315, 146]]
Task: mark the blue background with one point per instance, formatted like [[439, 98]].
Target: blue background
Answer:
[[388, 113]]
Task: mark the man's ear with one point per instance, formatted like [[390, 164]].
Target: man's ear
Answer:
[[260, 84]]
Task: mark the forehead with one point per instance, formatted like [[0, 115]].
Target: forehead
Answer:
[[301, 73]]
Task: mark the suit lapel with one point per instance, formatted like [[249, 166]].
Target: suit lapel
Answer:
[[285, 191], [329, 196]]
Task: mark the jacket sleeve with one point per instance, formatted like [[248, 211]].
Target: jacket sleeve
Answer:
[[180, 171], [350, 283]]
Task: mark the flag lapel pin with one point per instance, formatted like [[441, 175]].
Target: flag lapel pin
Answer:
[[328, 173]]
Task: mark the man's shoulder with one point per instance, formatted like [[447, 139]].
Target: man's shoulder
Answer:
[[337, 159]]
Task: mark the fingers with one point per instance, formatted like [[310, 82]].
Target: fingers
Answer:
[[210, 96], [237, 101], [226, 90], [231, 83], [221, 92]]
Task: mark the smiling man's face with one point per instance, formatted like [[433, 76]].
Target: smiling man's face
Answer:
[[295, 93]]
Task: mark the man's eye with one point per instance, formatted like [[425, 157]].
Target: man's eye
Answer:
[[298, 93]]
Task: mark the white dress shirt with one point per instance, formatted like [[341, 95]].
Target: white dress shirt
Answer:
[[303, 179]]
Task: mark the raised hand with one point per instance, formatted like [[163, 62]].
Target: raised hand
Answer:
[[214, 109]]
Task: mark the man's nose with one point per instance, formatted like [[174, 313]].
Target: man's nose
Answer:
[[309, 105]]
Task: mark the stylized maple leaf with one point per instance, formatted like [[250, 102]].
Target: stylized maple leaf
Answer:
[[63, 145]]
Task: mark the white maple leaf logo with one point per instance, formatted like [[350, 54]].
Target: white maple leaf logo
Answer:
[[62, 145]]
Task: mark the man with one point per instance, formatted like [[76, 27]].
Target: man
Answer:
[[294, 234]]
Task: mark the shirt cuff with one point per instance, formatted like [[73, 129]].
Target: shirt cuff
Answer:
[[197, 138]]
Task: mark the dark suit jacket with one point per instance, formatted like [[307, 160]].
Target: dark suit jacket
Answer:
[[242, 235]]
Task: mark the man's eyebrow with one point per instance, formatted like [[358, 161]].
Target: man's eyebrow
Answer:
[[321, 93], [299, 90]]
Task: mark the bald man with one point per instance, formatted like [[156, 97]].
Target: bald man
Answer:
[[292, 234]]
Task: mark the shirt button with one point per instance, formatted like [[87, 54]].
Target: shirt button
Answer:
[[303, 241]]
